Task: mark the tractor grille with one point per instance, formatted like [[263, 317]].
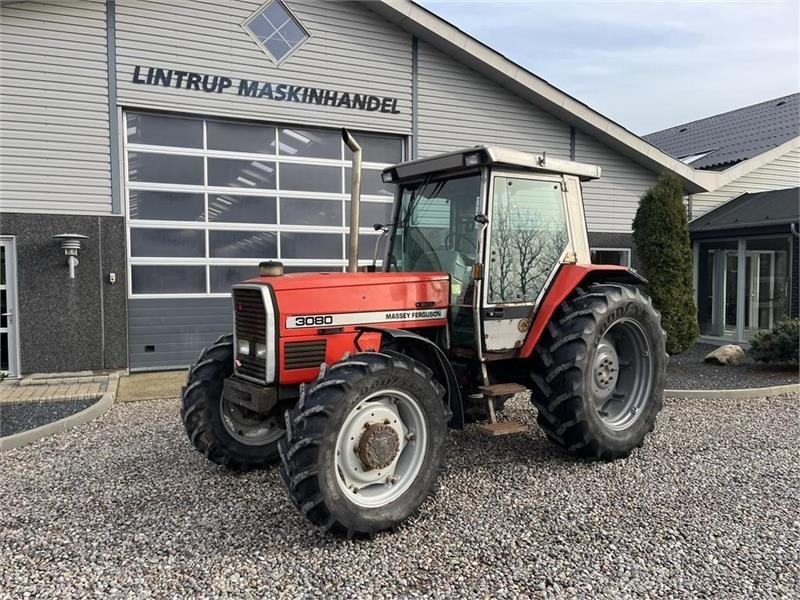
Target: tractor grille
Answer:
[[304, 355], [251, 325]]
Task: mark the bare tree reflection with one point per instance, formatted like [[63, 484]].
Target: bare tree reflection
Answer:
[[525, 248]]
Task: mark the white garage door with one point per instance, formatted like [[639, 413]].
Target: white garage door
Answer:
[[208, 199]]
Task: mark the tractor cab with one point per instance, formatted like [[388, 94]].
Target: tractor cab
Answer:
[[500, 223]]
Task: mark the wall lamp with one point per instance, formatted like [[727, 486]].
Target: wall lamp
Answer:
[[70, 244]]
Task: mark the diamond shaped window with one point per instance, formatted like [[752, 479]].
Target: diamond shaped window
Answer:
[[276, 29]]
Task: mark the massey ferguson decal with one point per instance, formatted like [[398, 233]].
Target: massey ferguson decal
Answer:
[[381, 316]]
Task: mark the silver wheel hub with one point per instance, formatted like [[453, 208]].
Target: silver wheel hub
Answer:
[[606, 371], [622, 374], [381, 448]]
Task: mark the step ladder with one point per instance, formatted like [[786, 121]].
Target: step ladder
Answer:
[[495, 427]]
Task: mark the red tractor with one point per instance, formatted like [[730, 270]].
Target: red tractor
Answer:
[[351, 380]]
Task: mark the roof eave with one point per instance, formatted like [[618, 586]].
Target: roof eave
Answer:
[[424, 24], [716, 179]]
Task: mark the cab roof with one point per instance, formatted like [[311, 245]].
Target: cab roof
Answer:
[[494, 156]]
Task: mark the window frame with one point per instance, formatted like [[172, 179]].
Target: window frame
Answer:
[[625, 251], [206, 225], [257, 13], [487, 247]]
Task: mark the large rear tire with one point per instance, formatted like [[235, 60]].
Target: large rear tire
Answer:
[[598, 371], [223, 432], [365, 444]]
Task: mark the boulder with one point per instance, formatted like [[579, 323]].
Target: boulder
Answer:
[[730, 354]]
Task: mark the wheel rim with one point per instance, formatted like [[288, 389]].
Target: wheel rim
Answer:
[[389, 430], [246, 429], [622, 371]]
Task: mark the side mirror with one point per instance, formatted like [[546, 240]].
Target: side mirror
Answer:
[[385, 230], [482, 219]]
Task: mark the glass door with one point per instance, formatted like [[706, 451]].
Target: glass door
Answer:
[[731, 291], [9, 362], [528, 235], [743, 286], [760, 290]]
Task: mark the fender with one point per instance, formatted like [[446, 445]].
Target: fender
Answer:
[[567, 279], [441, 367]]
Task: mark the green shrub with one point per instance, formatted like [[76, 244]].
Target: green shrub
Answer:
[[779, 345], [661, 235]]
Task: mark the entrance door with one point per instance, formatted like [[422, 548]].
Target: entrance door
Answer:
[[9, 339], [760, 287], [731, 291]]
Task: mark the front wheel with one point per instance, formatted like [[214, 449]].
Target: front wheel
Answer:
[[365, 444], [226, 433], [599, 370]]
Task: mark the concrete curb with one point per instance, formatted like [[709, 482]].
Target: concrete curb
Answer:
[[99, 408], [775, 390]]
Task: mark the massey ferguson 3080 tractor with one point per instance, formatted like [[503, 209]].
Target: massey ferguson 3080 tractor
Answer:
[[351, 380]]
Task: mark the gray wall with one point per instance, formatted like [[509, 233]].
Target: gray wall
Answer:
[[611, 201], [459, 108], [54, 119], [350, 49], [69, 324], [170, 332]]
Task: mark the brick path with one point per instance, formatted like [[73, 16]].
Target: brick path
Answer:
[[53, 387]]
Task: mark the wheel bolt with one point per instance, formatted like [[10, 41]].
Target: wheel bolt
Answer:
[[410, 436]]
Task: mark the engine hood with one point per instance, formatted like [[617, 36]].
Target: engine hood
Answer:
[[308, 281], [307, 302]]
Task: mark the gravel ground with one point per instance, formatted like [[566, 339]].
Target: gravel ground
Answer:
[[687, 371], [123, 507], [27, 415]]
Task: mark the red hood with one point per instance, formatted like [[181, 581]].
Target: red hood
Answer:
[[306, 281]]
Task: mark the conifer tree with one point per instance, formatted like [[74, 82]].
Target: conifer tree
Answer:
[[661, 236]]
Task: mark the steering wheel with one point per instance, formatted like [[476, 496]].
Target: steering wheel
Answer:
[[428, 261], [455, 241]]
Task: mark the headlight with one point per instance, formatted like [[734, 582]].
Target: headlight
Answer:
[[243, 347], [472, 160], [261, 350]]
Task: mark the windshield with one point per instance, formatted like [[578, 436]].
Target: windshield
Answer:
[[436, 229]]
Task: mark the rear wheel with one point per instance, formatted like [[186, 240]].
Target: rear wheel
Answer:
[[365, 444], [226, 433], [599, 371]]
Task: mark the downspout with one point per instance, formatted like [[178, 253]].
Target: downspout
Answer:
[[355, 201]]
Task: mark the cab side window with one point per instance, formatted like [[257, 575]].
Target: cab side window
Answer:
[[528, 236]]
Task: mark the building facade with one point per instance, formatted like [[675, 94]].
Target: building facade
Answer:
[[744, 228], [189, 139]]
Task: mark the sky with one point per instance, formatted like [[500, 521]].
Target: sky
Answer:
[[645, 65]]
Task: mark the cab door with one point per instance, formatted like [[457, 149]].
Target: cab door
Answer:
[[527, 239]]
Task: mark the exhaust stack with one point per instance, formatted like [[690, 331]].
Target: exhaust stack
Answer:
[[355, 201]]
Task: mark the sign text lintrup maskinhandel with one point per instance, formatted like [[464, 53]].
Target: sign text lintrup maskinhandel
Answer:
[[217, 84]]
